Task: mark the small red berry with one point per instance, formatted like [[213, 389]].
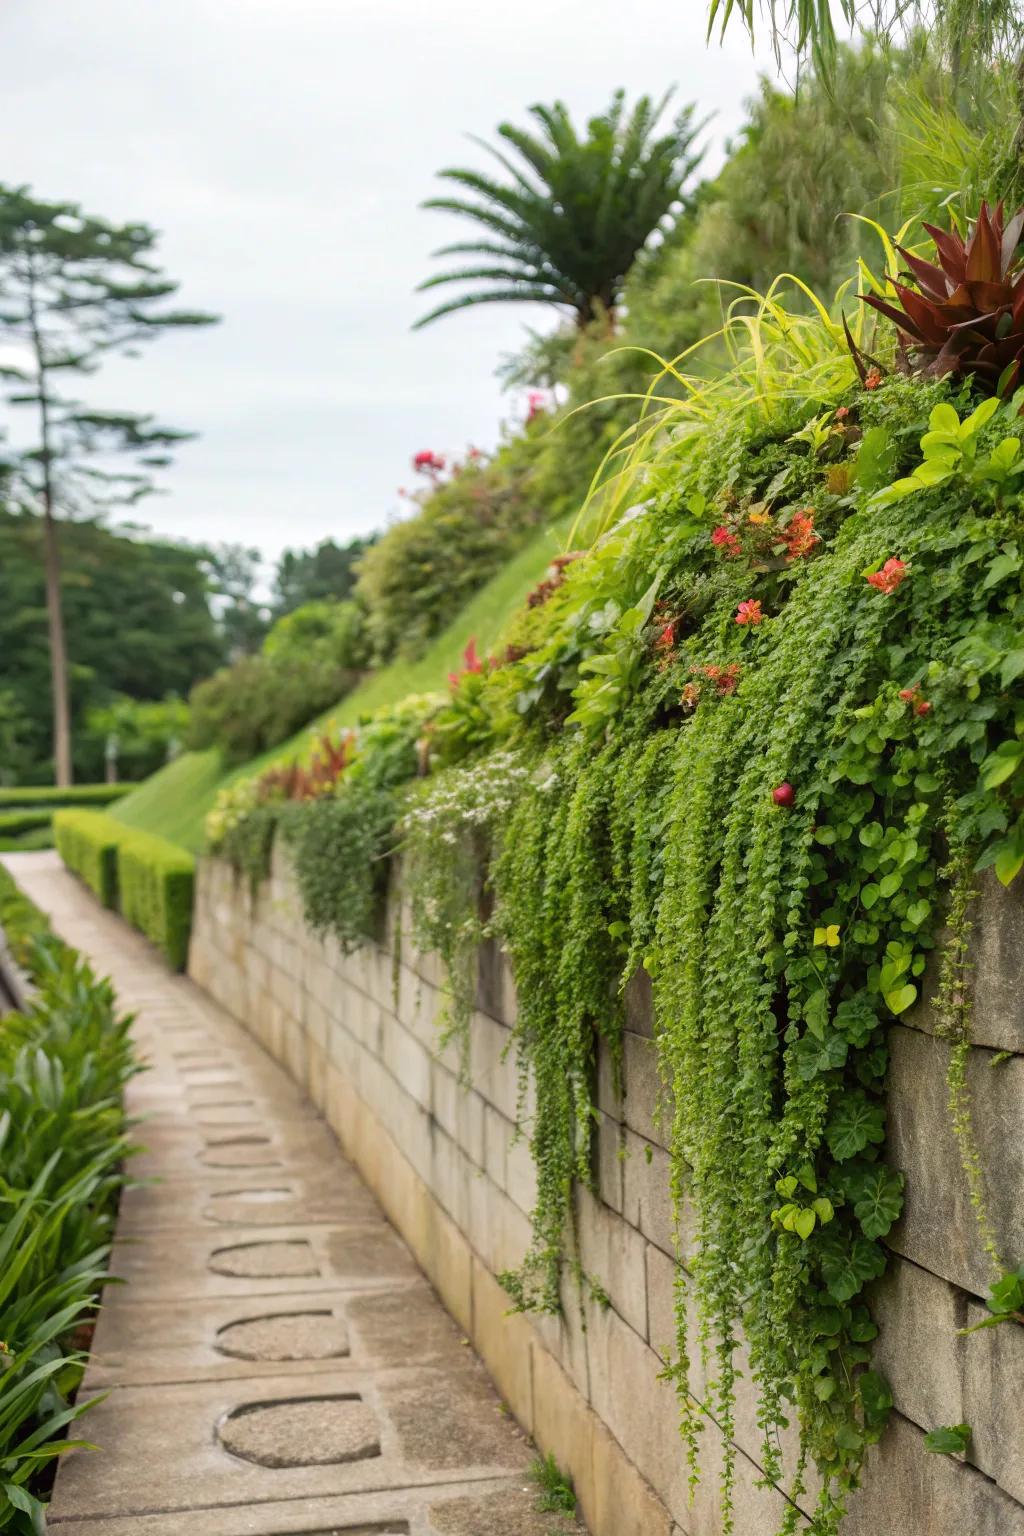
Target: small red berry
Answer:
[[784, 794]]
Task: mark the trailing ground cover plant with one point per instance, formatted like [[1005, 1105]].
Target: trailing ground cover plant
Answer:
[[63, 1141], [758, 741]]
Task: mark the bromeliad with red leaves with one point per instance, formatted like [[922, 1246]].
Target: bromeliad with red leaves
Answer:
[[967, 316]]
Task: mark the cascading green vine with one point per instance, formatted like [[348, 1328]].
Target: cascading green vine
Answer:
[[746, 745]]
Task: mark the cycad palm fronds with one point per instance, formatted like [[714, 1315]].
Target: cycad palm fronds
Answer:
[[574, 213]]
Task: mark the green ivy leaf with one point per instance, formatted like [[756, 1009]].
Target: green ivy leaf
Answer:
[[901, 998], [847, 1267], [879, 1201], [856, 1123], [949, 1440], [876, 1399], [869, 895]]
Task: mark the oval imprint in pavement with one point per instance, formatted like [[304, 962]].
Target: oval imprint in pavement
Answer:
[[301, 1432], [254, 1153], [285, 1336], [265, 1261], [249, 1205]]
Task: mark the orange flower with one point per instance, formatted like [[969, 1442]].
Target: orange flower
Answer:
[[749, 612], [893, 573]]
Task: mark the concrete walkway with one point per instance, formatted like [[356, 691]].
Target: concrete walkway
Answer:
[[275, 1362]]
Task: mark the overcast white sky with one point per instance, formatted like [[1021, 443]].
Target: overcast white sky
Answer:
[[282, 148]]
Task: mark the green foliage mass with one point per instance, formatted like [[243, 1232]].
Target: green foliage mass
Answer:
[[760, 815], [63, 1140], [140, 625], [310, 659]]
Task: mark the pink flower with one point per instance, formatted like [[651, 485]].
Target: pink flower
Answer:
[[536, 402], [749, 612], [892, 574], [842, 413], [427, 462]]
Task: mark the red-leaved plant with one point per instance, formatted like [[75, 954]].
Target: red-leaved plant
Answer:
[[968, 316]]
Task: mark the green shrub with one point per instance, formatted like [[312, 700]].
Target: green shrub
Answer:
[[424, 569], [87, 842], [258, 703], [155, 882], [20, 919], [63, 1064], [52, 795]]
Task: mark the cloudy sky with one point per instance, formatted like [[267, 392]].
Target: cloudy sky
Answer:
[[282, 147]]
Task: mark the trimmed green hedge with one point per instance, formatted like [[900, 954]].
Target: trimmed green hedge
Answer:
[[147, 879], [155, 883], [13, 823], [74, 794], [87, 842]]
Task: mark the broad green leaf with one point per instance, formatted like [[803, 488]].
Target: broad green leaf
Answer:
[[855, 1124], [1002, 764], [848, 1266], [879, 1201], [901, 998], [944, 419], [949, 1440], [804, 1223]]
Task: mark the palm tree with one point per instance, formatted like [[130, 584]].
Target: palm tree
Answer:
[[569, 224]]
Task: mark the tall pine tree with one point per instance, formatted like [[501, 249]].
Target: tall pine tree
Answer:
[[74, 288]]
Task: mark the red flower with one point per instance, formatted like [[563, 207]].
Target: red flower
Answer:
[[470, 663], [913, 696], [428, 462], [872, 378], [798, 535], [666, 637], [842, 413], [749, 612], [784, 794], [725, 679], [886, 580], [724, 539]]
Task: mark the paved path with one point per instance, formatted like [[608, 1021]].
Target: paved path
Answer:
[[276, 1363]]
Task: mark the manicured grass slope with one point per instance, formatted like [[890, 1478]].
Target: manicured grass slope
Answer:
[[174, 802]]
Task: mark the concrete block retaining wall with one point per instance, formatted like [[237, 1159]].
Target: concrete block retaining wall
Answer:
[[359, 1032]]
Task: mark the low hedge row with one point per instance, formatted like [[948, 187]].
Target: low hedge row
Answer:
[[147, 879], [13, 823], [74, 794]]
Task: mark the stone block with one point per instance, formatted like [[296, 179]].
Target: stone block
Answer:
[[609, 1152], [905, 1488], [647, 1191], [492, 1064], [564, 1427], [497, 1135], [639, 1002], [504, 1342], [938, 1229], [498, 1231], [612, 1253], [406, 1059], [941, 1376]]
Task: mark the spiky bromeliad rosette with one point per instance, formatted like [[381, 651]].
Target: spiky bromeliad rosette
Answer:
[[969, 314]]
